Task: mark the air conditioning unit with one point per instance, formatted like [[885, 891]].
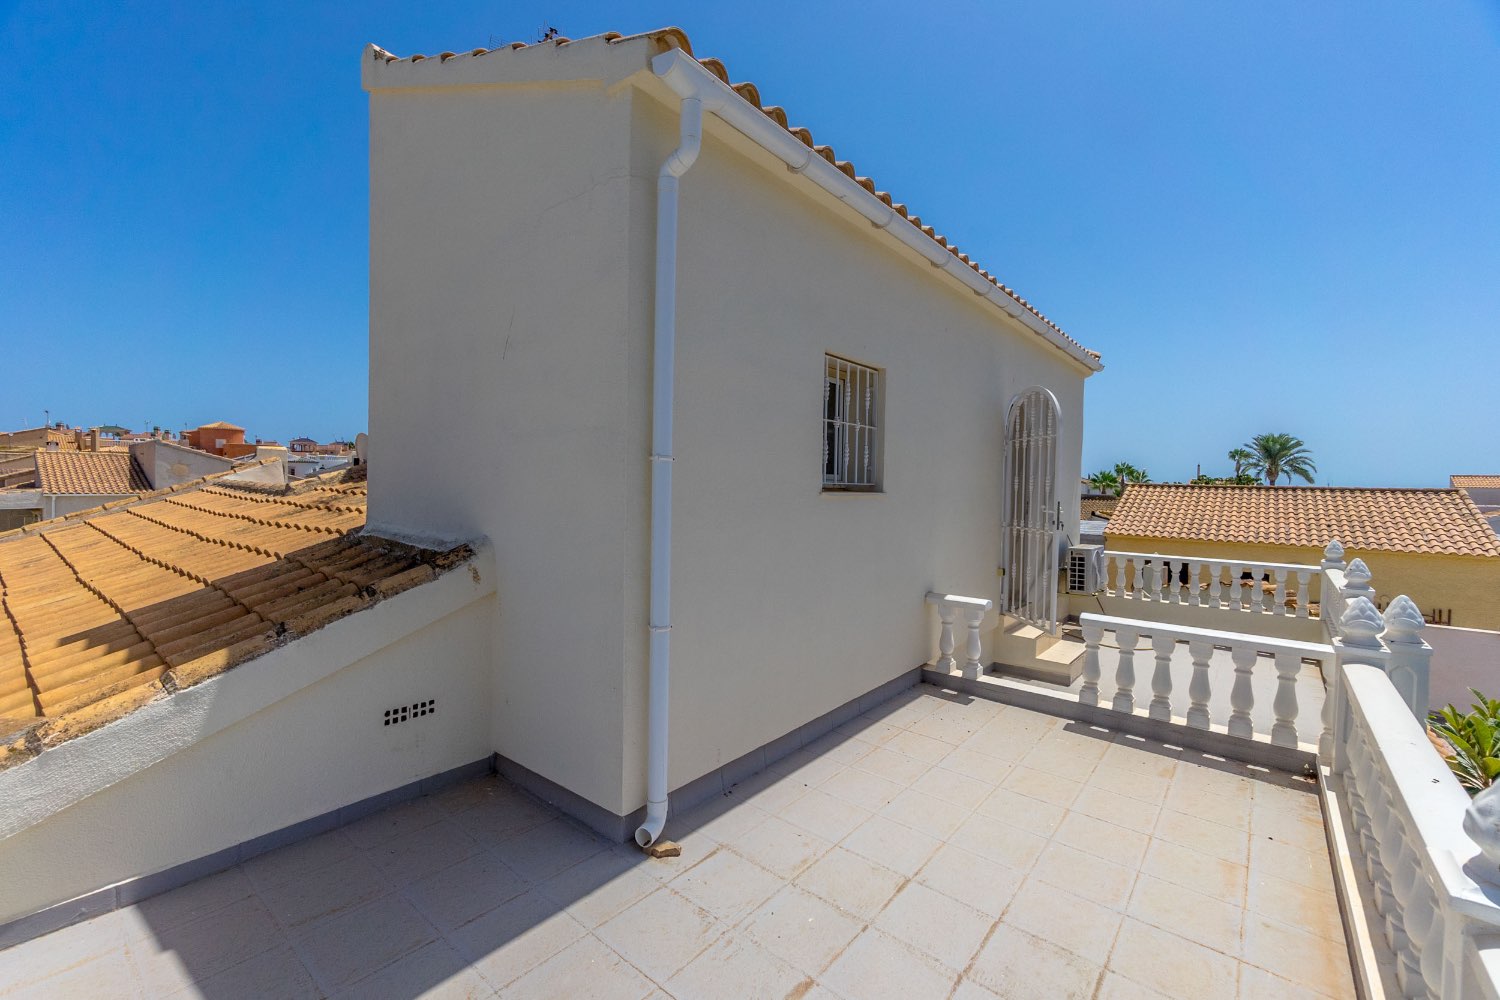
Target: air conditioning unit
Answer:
[[1085, 569]]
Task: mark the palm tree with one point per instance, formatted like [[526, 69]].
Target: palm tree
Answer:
[[1275, 455], [1128, 474], [1240, 456], [1104, 481]]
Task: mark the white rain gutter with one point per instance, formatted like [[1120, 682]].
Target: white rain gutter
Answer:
[[701, 91], [688, 79]]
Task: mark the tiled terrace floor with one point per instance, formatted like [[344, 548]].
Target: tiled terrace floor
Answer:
[[935, 847]]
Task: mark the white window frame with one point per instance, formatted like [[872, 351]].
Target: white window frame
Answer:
[[852, 426]]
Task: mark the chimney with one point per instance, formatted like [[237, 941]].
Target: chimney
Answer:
[[94, 439]]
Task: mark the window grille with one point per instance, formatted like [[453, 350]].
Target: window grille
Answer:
[[851, 425]]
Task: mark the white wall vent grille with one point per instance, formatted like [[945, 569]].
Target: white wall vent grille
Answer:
[[395, 716]]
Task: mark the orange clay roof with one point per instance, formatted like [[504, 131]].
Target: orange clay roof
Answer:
[[676, 38], [220, 425], [99, 473], [1474, 482], [103, 612], [1098, 506], [1381, 520]]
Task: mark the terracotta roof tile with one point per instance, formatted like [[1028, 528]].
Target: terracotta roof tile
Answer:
[[1474, 482], [157, 594], [676, 38], [1097, 506], [1381, 520], [98, 473]]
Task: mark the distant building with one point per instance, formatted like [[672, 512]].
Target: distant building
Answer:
[[1483, 490], [302, 446], [31, 439], [215, 438]]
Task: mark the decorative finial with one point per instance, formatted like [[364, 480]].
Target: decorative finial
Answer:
[[1334, 552], [1404, 622], [1361, 624], [1358, 574]]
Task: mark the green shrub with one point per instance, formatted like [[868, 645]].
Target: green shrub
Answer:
[[1475, 739]]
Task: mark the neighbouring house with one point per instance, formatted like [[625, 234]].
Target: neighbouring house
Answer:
[[214, 438], [1432, 545], [302, 445], [1483, 490], [31, 439]]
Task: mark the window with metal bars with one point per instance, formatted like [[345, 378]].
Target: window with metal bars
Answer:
[[851, 426]]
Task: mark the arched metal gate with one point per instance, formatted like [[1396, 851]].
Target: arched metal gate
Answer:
[[1030, 522]]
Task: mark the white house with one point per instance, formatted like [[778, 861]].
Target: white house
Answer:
[[713, 365]]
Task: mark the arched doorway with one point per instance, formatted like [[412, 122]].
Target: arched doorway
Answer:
[[1030, 519]]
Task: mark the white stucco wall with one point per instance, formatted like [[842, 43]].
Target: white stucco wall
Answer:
[[169, 464], [512, 269], [309, 750], [1462, 658]]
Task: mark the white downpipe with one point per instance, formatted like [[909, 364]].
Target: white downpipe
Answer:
[[664, 349]]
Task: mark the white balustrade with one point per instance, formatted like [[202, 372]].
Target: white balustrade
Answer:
[[1245, 650], [1431, 888], [951, 607], [1212, 583]]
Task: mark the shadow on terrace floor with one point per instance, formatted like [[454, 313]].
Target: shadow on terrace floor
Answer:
[[935, 846]]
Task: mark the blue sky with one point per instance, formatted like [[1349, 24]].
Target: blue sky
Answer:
[[1269, 216]]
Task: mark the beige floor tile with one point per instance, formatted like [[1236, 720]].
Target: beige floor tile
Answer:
[[585, 970], [1205, 920], [960, 789], [516, 936], [1295, 827], [883, 762], [390, 823], [868, 731], [106, 975], [1117, 987], [726, 885], [718, 819], [950, 728], [1082, 926], [808, 768], [1085, 875], [1148, 788], [975, 881], [801, 929], [1195, 870], [1270, 857], [1291, 953], [779, 847], [1297, 905], [976, 765], [877, 966], [502, 817], [597, 888], [1060, 761], [923, 748], [838, 748], [999, 842], [1141, 756], [738, 968], [852, 883], [1113, 843], [1000, 740], [194, 900], [638, 933], [1224, 842], [769, 791], [1172, 965], [968, 989], [1020, 966], [433, 972], [825, 815], [926, 813], [1226, 810], [1121, 810], [935, 924], [892, 845], [466, 794], [543, 851], [276, 973], [1258, 984], [861, 788], [205, 946], [459, 893], [418, 853], [1047, 787], [346, 948], [1023, 811], [342, 886]]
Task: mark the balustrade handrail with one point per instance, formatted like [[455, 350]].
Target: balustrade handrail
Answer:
[[1246, 563], [1219, 637]]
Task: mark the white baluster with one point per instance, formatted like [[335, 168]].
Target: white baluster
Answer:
[[1257, 592], [1304, 592], [1325, 739], [1284, 732], [1278, 598], [1179, 588], [1161, 678], [1241, 697], [946, 614], [1089, 693], [1215, 593], [972, 618], [1125, 672], [1153, 580], [1139, 578], [1236, 588], [1198, 688], [1195, 594], [1111, 569]]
